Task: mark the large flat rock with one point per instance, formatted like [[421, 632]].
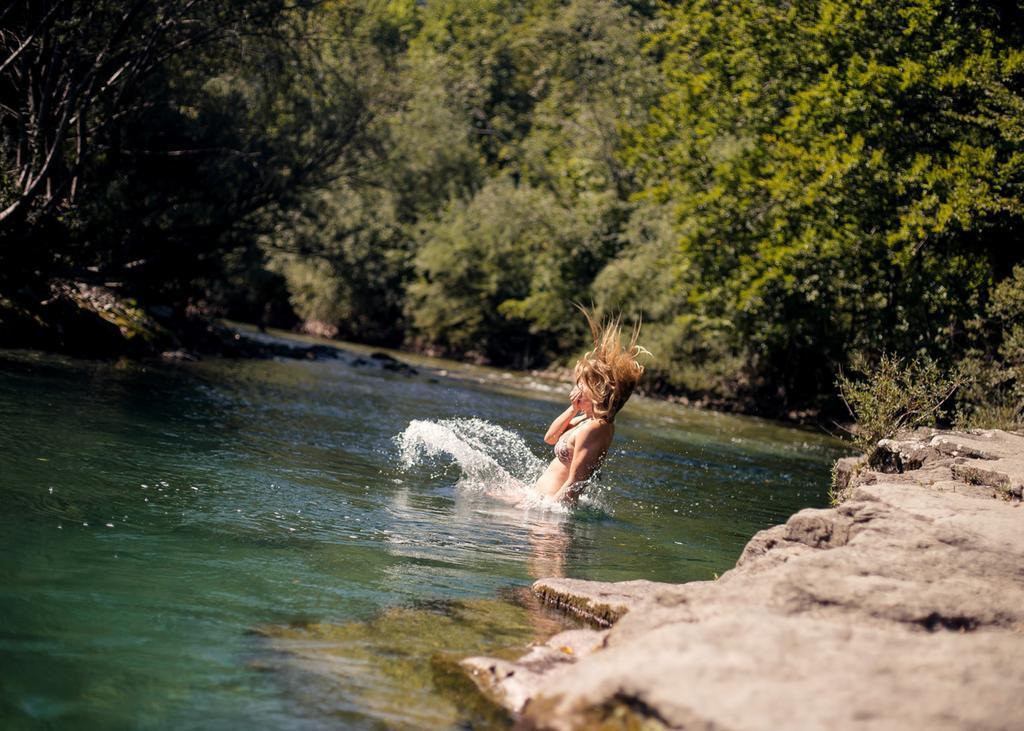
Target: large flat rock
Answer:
[[601, 603], [902, 608]]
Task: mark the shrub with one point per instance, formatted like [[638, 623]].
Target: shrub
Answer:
[[894, 395]]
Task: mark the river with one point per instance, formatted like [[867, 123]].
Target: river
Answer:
[[311, 544]]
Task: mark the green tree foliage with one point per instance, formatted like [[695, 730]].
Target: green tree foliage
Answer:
[[995, 362], [544, 88], [72, 70], [493, 270], [843, 176], [344, 258]]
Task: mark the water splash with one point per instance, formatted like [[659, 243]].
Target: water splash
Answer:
[[490, 458]]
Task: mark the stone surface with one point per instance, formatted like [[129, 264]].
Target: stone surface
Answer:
[[901, 608], [599, 602], [512, 684]]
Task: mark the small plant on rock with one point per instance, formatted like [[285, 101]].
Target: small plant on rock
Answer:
[[894, 395]]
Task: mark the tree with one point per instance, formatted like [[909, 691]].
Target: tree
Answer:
[[71, 72], [152, 143], [844, 177]]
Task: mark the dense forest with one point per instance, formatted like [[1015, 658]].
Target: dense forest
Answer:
[[780, 190]]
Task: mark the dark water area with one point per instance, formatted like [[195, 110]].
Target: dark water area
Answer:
[[290, 544]]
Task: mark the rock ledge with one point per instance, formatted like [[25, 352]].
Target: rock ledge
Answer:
[[903, 607]]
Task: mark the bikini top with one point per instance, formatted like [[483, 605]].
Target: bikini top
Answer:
[[563, 449]]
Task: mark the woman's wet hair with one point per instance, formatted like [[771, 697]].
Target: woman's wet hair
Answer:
[[611, 370]]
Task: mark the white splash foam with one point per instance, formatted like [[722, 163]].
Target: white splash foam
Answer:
[[491, 460], [489, 457]]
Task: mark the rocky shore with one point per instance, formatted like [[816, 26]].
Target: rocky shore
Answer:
[[95, 321], [900, 608]]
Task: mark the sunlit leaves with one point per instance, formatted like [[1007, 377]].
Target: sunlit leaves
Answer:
[[847, 175]]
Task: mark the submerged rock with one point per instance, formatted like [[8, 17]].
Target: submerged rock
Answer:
[[903, 607], [386, 362], [401, 667]]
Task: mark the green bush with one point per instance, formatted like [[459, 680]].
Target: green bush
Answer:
[[894, 395]]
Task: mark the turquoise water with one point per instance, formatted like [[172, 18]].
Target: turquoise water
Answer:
[[216, 544]]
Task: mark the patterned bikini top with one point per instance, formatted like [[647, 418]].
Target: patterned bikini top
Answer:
[[563, 449]]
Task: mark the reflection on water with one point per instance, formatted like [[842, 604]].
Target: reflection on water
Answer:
[[223, 544], [549, 544]]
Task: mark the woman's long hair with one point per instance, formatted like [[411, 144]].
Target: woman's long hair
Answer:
[[611, 370]]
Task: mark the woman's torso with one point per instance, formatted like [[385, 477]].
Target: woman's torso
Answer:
[[558, 471], [565, 445]]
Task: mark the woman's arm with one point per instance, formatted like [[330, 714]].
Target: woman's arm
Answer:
[[562, 422], [590, 447]]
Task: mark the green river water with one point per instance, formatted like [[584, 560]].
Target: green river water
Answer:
[[310, 544]]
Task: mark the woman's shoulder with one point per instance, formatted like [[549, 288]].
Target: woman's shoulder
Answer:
[[598, 428]]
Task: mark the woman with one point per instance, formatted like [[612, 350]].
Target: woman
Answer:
[[581, 435]]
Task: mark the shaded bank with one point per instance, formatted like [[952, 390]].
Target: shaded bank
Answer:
[[89, 319], [902, 607]]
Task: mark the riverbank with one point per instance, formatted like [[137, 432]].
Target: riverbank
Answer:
[[96, 320], [902, 607]]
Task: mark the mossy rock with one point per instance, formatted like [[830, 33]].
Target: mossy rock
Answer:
[[81, 319], [408, 658]]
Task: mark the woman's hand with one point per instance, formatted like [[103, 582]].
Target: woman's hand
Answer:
[[578, 398], [560, 424]]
